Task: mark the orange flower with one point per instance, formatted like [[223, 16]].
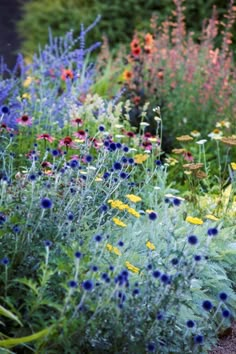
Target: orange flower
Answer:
[[160, 74], [148, 39], [67, 74], [127, 75]]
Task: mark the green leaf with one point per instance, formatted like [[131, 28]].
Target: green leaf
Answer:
[[11, 342], [29, 283], [9, 314]]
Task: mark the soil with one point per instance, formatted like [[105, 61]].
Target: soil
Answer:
[[227, 342]]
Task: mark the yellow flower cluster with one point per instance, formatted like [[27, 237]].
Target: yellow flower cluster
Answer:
[[131, 267], [113, 249], [27, 81], [118, 222], [195, 221], [211, 217], [233, 166], [133, 198], [150, 245], [140, 158], [118, 204]]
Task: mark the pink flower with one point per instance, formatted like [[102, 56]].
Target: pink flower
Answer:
[[45, 137], [81, 134], [24, 120], [68, 142], [188, 156], [77, 122]]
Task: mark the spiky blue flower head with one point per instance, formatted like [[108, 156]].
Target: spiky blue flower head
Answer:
[[118, 145], [121, 243], [199, 339], [47, 243], [152, 215], [5, 261], [160, 315], [151, 347], [70, 216], [112, 146], [46, 203], [16, 229], [117, 166], [78, 254], [158, 162], [165, 278], [55, 152], [223, 296], [124, 160], [106, 175], [197, 258], [32, 177], [2, 219], [88, 158], [131, 161], [226, 313], [207, 305], [156, 274], [123, 175], [103, 208], [74, 163], [176, 202], [98, 238], [192, 240], [94, 268], [125, 149], [190, 323], [101, 128], [5, 110], [174, 261], [72, 284], [212, 231], [135, 292], [88, 285]]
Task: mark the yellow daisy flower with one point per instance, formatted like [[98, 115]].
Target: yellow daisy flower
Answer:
[[133, 198], [150, 245], [195, 221], [118, 222]]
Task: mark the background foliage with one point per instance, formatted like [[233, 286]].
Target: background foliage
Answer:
[[119, 18]]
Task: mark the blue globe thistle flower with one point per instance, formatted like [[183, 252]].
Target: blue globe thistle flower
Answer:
[[74, 163], [165, 278], [94, 268], [158, 162], [103, 208], [106, 143], [98, 238], [198, 339], [46, 203], [149, 266], [70, 216], [156, 273], [160, 315], [151, 347], [111, 268], [118, 145], [124, 160], [121, 243], [83, 177], [32, 177], [131, 161], [125, 274], [190, 323], [106, 175], [5, 110], [72, 284], [167, 200], [2, 219], [78, 254], [192, 240], [107, 280], [125, 149], [197, 258], [88, 158], [104, 276], [47, 243], [223, 296], [5, 261], [176, 202], [16, 229], [207, 305], [212, 231], [123, 175], [226, 313], [117, 166], [174, 261], [88, 285], [112, 146], [101, 128], [152, 215], [135, 292]]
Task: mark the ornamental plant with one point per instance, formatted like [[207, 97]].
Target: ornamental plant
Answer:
[[98, 251], [193, 82]]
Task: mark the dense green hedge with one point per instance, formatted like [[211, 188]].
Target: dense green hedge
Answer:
[[119, 18]]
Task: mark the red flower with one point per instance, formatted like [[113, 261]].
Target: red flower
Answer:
[[67, 141], [67, 74], [77, 121]]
